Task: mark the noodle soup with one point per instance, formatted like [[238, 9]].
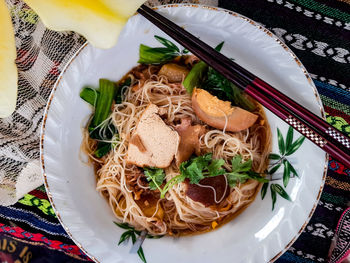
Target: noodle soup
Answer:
[[177, 149]]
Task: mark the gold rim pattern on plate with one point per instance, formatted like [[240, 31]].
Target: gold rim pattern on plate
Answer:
[[270, 34]]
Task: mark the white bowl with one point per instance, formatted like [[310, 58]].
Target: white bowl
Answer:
[[256, 235]]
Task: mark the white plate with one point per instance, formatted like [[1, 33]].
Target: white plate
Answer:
[[256, 235]]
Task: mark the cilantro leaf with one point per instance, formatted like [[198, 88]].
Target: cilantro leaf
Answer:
[[155, 177], [242, 171], [198, 168], [215, 169]]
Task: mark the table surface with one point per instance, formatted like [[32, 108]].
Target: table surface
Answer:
[[318, 32]]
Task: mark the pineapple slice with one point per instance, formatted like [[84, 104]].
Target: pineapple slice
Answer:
[[99, 21], [8, 70]]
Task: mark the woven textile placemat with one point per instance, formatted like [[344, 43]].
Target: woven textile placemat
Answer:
[[318, 32]]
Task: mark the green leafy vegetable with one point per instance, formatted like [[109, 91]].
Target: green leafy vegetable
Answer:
[[99, 129], [195, 76], [155, 177], [118, 97], [159, 55], [242, 171], [104, 103], [90, 95], [102, 149]]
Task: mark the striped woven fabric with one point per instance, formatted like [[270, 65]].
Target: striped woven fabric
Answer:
[[318, 32]]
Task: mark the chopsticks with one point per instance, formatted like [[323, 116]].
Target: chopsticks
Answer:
[[311, 126]]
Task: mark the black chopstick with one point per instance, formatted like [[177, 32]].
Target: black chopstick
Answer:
[[310, 125]]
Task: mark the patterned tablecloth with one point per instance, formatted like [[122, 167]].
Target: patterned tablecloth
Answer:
[[318, 32]]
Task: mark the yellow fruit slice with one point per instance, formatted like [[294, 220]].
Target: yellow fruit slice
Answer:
[[8, 69], [99, 21]]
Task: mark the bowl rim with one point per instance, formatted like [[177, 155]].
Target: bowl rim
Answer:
[[217, 9]]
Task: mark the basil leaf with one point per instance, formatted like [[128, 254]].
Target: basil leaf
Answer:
[[167, 43], [264, 190], [286, 173], [289, 138], [295, 146], [281, 145], [279, 189]]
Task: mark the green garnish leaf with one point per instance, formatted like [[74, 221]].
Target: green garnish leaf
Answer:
[[295, 145], [279, 190], [264, 190], [90, 95], [215, 168], [286, 173], [218, 85], [281, 145], [155, 177], [198, 168], [242, 171]]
